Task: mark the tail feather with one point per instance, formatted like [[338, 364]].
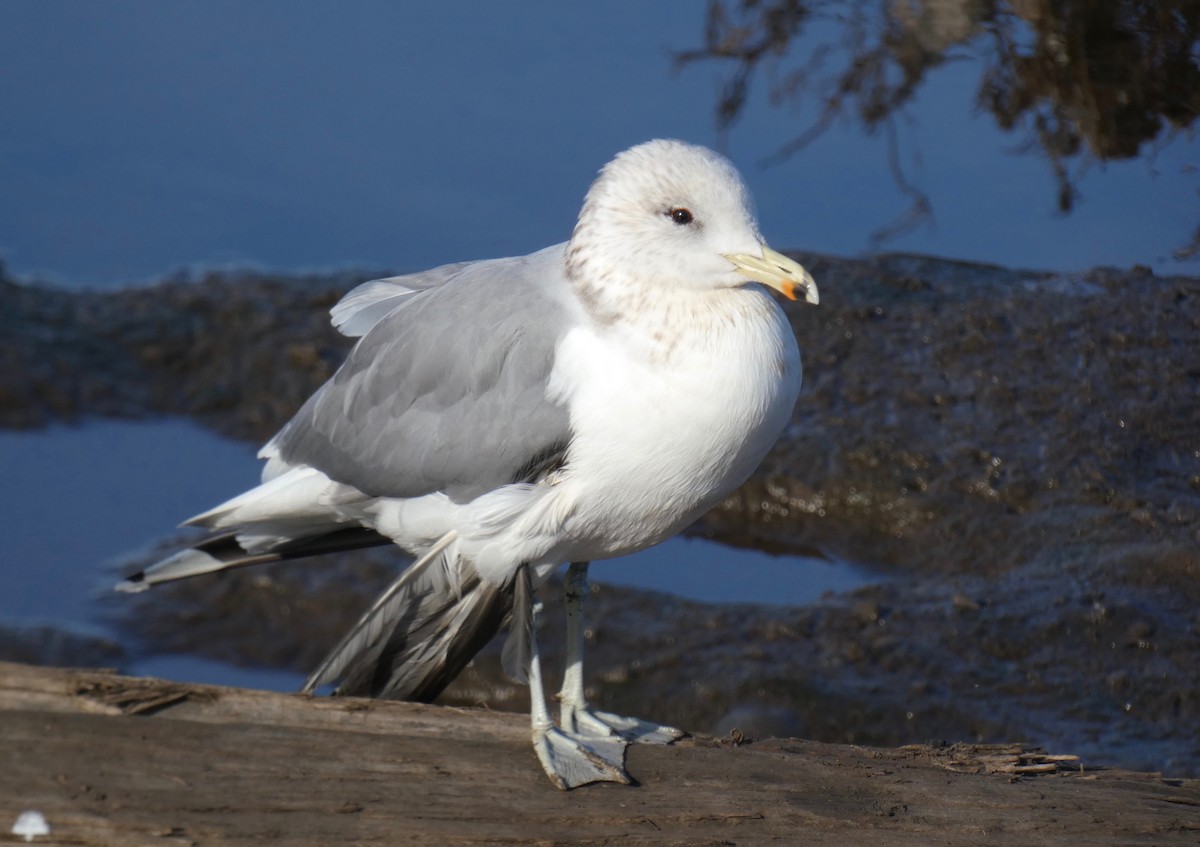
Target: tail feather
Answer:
[[518, 648], [421, 632], [222, 551], [367, 636], [417, 662], [410, 644]]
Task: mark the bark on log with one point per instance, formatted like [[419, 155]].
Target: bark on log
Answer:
[[117, 760]]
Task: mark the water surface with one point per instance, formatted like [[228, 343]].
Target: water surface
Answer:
[[82, 500], [143, 136]]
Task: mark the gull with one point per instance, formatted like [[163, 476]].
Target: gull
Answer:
[[498, 419]]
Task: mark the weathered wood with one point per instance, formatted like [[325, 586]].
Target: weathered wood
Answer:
[[116, 760]]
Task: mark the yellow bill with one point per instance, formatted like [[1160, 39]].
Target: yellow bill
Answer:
[[778, 271]]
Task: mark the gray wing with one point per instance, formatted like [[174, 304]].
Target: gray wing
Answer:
[[447, 390], [368, 304]]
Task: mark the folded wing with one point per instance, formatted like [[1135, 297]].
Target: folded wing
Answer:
[[447, 388]]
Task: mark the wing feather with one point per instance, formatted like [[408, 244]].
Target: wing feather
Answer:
[[448, 390]]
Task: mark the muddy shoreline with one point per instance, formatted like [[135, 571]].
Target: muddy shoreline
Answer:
[[1017, 451]]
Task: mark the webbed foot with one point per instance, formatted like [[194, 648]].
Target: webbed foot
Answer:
[[594, 724], [572, 760]]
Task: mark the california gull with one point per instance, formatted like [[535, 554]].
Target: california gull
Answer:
[[500, 418]]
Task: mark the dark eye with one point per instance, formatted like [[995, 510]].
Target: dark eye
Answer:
[[681, 216]]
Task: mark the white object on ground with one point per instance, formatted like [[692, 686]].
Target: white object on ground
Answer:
[[31, 824]]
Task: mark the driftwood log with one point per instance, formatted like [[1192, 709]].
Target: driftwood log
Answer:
[[118, 760]]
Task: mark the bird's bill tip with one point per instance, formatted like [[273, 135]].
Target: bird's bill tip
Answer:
[[776, 270]]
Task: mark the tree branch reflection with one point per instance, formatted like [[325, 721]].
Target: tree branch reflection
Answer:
[[1083, 81]]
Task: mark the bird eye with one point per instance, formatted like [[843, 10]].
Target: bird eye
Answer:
[[681, 216]]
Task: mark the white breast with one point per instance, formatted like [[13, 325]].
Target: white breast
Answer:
[[667, 424]]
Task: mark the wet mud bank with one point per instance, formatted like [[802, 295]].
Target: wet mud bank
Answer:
[[1017, 453]]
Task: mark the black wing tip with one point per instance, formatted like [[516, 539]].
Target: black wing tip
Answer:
[[132, 584]]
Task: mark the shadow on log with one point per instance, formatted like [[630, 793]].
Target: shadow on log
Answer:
[[110, 759]]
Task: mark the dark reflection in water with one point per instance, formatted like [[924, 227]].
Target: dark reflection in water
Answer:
[[1082, 81]]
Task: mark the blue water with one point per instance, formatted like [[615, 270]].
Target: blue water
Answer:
[[208, 672], [142, 136], [77, 501]]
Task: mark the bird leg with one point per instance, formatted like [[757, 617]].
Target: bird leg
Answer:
[[568, 759], [575, 715]]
